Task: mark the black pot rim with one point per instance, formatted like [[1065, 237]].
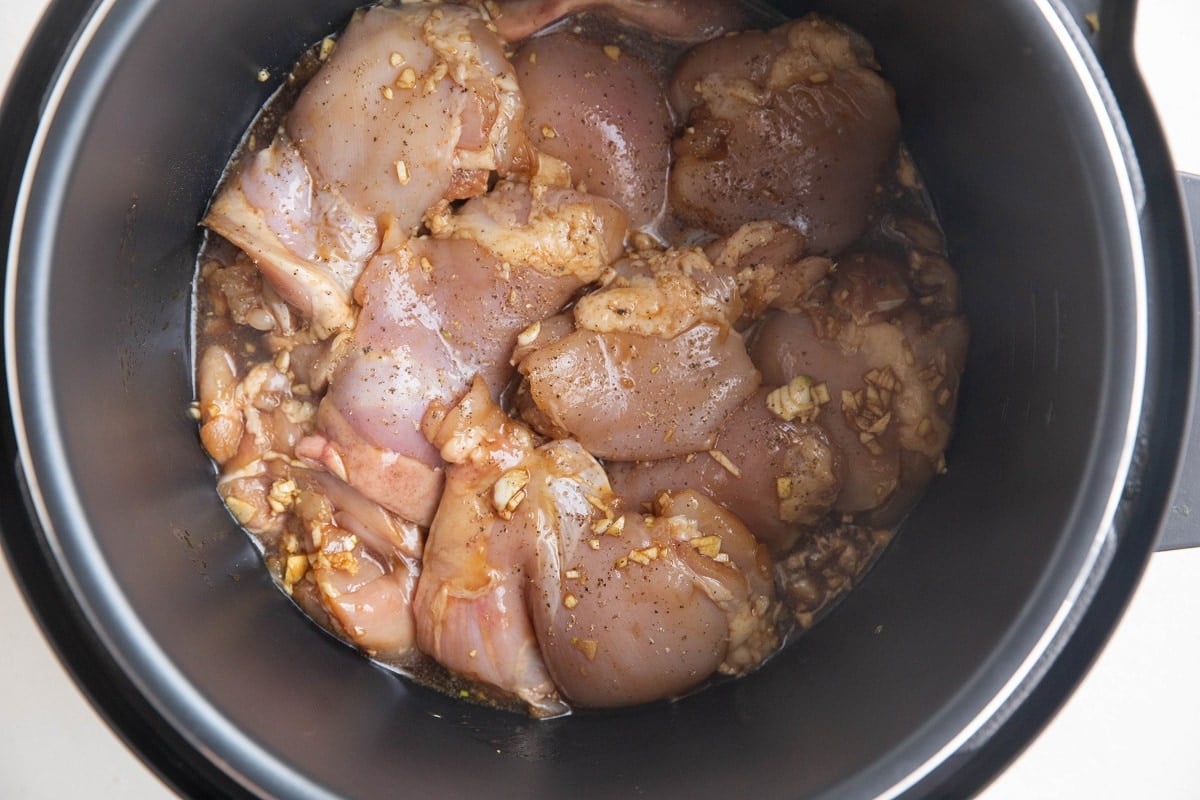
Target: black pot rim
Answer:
[[1030, 696]]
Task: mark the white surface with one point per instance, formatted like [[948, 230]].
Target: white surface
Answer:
[[1130, 731]]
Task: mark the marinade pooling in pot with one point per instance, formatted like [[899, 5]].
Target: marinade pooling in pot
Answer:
[[575, 355]]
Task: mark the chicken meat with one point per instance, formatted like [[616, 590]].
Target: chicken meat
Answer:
[[538, 584], [792, 125]]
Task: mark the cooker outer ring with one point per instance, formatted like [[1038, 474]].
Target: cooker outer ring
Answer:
[[189, 771], [172, 758], [1173, 363]]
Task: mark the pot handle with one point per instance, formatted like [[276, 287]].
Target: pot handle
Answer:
[[1181, 526]]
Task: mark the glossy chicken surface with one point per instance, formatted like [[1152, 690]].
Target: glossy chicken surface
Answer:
[[368, 146], [576, 353], [792, 125], [612, 127], [532, 570]]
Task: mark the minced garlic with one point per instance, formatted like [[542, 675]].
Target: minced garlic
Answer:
[[509, 491], [800, 399], [724, 461]]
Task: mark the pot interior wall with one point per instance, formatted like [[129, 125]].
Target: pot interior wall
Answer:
[[1005, 136]]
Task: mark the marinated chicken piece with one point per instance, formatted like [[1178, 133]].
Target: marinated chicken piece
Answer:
[[892, 384], [634, 397], [247, 422], [438, 311], [415, 104], [363, 561], [787, 347], [236, 293], [310, 243], [779, 476], [895, 325], [607, 117], [556, 231], [792, 125], [661, 293], [771, 265], [472, 606], [654, 609], [925, 343], [655, 344], [530, 565], [680, 20]]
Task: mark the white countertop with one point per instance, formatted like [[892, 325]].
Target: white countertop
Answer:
[[1130, 731]]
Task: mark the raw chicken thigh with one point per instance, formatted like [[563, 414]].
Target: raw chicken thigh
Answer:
[[472, 604], [537, 584], [433, 314], [792, 125], [777, 476], [576, 352], [653, 609], [310, 244], [363, 561], [603, 112], [891, 370], [657, 345], [415, 104]]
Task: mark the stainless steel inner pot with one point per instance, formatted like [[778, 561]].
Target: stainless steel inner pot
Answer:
[[1063, 218]]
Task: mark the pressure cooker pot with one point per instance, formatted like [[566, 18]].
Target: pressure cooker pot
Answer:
[[1062, 215]]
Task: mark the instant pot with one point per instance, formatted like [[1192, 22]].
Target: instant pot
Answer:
[[1064, 218]]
